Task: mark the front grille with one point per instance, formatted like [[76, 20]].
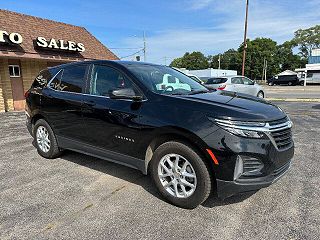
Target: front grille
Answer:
[[279, 121], [282, 138]]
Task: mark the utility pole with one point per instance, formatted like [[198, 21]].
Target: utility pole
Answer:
[[144, 46], [264, 63], [265, 71], [219, 60], [245, 38]]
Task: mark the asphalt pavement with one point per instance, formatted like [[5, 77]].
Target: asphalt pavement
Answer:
[[81, 197], [293, 92]]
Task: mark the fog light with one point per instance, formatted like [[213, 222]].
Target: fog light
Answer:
[[252, 166]]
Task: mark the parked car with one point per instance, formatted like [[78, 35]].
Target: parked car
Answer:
[[239, 84], [171, 83], [284, 80], [190, 140], [312, 77], [194, 77]]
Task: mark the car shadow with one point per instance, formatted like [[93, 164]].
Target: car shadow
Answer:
[[214, 201], [136, 177]]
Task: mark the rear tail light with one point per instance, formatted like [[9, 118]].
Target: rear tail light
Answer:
[[26, 94], [222, 87]]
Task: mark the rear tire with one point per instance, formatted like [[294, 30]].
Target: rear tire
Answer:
[[180, 174], [290, 83], [45, 140]]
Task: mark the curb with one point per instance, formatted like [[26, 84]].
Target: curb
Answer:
[[294, 99]]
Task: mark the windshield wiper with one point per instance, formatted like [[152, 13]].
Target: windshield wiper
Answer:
[[198, 91]]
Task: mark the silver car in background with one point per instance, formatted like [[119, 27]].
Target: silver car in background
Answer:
[[238, 84]]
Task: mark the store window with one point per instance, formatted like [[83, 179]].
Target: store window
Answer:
[[14, 70]]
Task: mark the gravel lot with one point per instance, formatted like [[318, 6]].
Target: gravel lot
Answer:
[[81, 197]]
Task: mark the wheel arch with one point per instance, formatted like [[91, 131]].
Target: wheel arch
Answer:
[[181, 135]]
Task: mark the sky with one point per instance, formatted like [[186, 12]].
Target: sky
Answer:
[[177, 26]]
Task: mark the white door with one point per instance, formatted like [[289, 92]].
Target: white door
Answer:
[[236, 85]]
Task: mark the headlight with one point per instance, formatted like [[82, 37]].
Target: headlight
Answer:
[[241, 128]]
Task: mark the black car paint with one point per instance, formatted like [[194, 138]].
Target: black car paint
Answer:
[[124, 131], [284, 79]]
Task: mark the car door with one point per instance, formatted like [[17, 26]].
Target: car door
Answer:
[[111, 124], [248, 86], [62, 99], [236, 85]]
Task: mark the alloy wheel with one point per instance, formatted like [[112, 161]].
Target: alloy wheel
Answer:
[[43, 140], [177, 176]]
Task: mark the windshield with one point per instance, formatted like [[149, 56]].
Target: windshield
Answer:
[[166, 80]]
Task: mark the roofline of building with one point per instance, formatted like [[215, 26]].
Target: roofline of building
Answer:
[[45, 19]]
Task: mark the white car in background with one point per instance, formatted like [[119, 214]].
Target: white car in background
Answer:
[[170, 83], [238, 84]]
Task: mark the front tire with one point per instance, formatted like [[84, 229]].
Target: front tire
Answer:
[[45, 140], [260, 94], [180, 174]]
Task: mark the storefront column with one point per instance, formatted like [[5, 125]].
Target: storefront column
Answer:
[[6, 91]]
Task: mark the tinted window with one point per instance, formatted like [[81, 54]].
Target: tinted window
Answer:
[[105, 79], [43, 78], [70, 79], [216, 80]]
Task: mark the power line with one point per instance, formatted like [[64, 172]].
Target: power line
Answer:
[[126, 48], [131, 54]]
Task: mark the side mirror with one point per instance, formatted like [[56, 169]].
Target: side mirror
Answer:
[[125, 93]]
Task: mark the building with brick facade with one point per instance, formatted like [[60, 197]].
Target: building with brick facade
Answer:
[[29, 44]]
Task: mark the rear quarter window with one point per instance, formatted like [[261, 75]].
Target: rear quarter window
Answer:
[[70, 79], [43, 78]]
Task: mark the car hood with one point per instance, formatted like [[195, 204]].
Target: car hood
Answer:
[[236, 106]]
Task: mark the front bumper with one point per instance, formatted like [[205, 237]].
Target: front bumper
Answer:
[[29, 124], [227, 189]]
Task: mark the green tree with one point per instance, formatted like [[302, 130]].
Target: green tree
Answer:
[[307, 39], [177, 62], [191, 61], [258, 50], [286, 58], [231, 59]]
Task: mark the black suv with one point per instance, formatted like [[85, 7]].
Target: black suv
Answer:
[[284, 79], [190, 139]]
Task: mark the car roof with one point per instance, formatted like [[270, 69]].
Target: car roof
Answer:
[[124, 63]]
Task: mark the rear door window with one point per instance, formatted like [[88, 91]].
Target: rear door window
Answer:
[[70, 79], [216, 80], [105, 79]]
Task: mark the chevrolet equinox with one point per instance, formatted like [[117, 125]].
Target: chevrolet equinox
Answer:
[[153, 118]]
